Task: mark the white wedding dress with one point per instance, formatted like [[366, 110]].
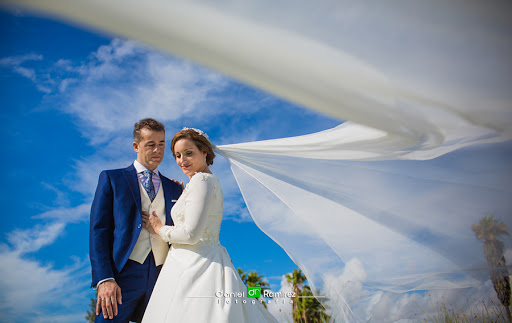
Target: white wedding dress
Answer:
[[198, 269]]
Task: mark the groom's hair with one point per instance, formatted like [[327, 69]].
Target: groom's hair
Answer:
[[149, 123]]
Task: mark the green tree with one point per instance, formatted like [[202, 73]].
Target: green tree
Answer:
[[252, 278], [91, 312], [488, 230], [309, 309], [305, 308], [296, 280]]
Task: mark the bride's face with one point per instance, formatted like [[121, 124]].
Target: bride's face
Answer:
[[189, 158]]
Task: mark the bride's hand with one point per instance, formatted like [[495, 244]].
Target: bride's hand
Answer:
[[145, 222], [150, 221]]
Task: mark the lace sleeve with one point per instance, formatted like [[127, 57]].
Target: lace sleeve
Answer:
[[197, 205]]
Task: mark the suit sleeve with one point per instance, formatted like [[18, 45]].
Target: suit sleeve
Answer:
[[197, 206], [102, 230]]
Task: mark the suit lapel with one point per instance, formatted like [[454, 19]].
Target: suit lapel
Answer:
[[168, 194], [133, 182]]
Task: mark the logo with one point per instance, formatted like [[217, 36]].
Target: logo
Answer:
[[254, 291]]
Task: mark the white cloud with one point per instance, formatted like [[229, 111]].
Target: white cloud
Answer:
[[40, 235], [350, 299], [33, 239], [235, 209], [347, 285], [429, 304], [41, 79], [15, 64], [282, 311], [61, 197], [67, 215], [15, 61], [379, 306], [33, 289], [35, 292], [343, 289], [124, 81], [234, 205]]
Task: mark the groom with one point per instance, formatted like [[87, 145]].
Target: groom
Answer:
[[125, 258]]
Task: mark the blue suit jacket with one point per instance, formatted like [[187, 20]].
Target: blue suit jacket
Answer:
[[116, 219]]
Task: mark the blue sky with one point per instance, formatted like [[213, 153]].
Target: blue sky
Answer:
[[69, 99]]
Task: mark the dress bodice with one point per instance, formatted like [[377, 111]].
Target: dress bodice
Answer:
[[197, 215]]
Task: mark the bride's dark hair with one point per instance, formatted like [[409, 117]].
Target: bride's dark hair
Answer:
[[202, 143]]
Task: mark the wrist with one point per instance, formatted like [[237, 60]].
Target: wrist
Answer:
[[103, 281]]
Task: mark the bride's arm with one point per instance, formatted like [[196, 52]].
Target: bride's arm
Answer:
[[197, 205]]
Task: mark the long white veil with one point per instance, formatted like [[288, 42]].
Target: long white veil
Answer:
[[425, 153], [360, 224]]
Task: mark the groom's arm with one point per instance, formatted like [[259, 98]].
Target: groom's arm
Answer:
[[102, 230], [101, 248]]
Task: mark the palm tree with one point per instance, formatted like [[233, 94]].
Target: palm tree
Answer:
[[488, 230], [253, 279], [305, 307], [296, 279], [309, 309]]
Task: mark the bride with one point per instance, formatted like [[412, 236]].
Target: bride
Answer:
[[198, 282]]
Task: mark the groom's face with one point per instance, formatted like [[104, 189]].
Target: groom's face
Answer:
[[150, 150]]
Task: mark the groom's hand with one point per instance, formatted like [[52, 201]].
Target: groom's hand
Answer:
[[151, 222], [155, 222], [180, 183], [109, 295], [145, 222]]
